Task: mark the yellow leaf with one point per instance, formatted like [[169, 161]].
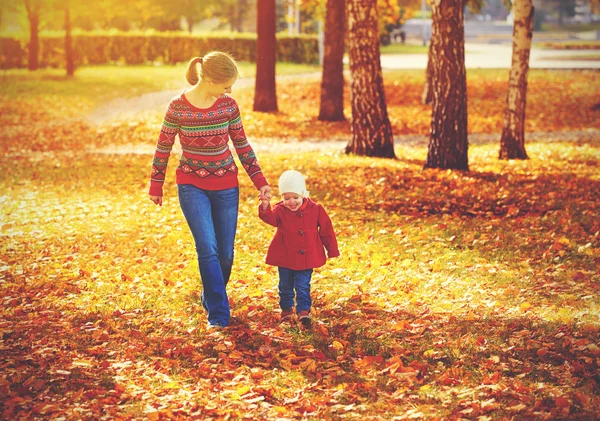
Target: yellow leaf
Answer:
[[242, 390], [172, 385], [280, 409], [525, 306], [337, 345]]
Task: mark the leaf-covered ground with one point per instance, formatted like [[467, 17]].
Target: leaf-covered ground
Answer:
[[457, 296]]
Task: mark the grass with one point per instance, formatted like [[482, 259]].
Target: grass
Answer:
[[456, 295], [102, 83], [404, 49], [576, 27], [569, 45]]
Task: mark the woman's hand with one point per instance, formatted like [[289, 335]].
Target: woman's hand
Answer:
[[156, 199], [265, 193]]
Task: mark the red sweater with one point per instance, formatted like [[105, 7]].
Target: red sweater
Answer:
[[206, 161], [302, 236]]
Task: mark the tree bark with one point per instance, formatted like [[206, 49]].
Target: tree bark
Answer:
[[427, 95], [265, 96], [512, 142], [371, 128], [332, 83], [33, 15], [448, 144], [69, 58]]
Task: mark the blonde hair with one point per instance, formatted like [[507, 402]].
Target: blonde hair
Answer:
[[216, 66]]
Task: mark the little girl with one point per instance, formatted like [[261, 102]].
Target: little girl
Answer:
[[304, 231]]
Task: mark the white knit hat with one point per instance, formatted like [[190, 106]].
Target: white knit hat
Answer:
[[292, 181]]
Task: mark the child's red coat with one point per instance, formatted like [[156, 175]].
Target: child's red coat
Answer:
[[302, 236]]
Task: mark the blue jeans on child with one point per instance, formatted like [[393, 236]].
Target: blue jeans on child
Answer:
[[298, 281], [212, 218]]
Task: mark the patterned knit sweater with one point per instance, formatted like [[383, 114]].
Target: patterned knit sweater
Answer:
[[206, 160]]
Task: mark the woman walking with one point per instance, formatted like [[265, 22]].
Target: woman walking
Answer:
[[205, 117]]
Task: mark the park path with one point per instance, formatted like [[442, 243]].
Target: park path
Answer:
[[126, 108], [499, 56]]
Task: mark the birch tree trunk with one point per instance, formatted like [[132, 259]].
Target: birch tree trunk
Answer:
[[265, 96], [448, 144], [332, 83], [512, 142], [371, 128]]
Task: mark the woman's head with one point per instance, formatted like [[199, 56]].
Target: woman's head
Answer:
[[215, 67]]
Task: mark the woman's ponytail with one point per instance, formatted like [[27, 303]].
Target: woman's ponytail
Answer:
[[192, 71]]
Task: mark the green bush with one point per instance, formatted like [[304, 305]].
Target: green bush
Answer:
[[138, 48]]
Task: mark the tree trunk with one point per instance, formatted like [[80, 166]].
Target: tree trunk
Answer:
[[561, 13], [448, 144], [34, 40], [512, 142], [239, 15], [371, 128], [332, 83], [265, 97], [190, 24], [427, 95], [69, 58]]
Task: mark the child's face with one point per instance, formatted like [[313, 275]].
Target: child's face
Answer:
[[218, 89], [292, 201]]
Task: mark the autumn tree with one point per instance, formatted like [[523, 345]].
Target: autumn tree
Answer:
[[448, 144], [332, 82], [265, 97], [512, 142], [69, 56], [371, 128], [33, 8]]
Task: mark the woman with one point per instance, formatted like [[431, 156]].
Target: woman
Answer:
[[205, 117]]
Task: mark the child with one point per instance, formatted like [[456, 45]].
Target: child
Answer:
[[303, 231], [206, 118]]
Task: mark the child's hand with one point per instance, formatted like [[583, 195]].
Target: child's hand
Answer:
[[264, 203]]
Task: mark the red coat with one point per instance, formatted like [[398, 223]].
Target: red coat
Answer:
[[302, 236]]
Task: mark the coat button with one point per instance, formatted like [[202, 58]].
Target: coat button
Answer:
[[301, 251], [300, 232], [300, 214]]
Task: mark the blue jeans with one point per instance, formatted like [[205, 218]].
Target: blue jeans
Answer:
[[297, 281], [212, 218]]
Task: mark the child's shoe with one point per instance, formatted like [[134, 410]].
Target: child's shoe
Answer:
[[286, 315], [304, 318]]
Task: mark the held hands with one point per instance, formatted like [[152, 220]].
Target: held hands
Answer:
[[265, 196], [156, 199]]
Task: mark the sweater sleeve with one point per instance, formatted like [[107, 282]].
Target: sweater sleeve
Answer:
[[327, 234], [243, 148], [166, 139], [267, 215]]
